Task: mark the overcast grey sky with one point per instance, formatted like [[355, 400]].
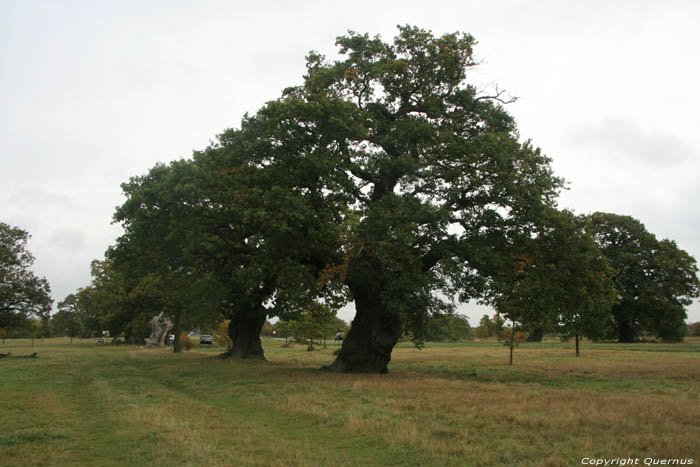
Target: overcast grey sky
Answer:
[[94, 92]]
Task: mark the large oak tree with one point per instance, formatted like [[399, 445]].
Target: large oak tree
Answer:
[[269, 226], [433, 171], [246, 220], [385, 175]]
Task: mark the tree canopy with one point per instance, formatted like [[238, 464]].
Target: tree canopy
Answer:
[[154, 257], [23, 295], [246, 222], [655, 280], [433, 170], [560, 275], [386, 178]]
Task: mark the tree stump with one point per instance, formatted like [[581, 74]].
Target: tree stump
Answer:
[[160, 327]]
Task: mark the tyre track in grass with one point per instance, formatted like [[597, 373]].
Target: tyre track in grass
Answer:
[[243, 430]]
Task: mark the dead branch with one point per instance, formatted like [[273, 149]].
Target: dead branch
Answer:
[[9, 355]]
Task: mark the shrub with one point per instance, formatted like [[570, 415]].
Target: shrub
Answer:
[[220, 334], [185, 342], [506, 337], [695, 329]]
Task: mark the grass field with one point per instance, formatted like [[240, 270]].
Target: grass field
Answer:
[[448, 404]]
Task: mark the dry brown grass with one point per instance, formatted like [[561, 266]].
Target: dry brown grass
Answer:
[[444, 405], [606, 403]]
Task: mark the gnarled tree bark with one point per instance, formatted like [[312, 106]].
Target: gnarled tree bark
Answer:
[[244, 329], [374, 331], [368, 345]]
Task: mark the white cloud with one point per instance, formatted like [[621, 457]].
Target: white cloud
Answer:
[[70, 239], [623, 142]]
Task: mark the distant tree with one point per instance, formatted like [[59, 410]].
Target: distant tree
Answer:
[[536, 334], [561, 276], [489, 327], [537, 330], [158, 264], [154, 255], [59, 321], [314, 324], [67, 323], [23, 295], [105, 305], [497, 324], [695, 329], [655, 280], [511, 337], [284, 329], [69, 308], [340, 325], [45, 331], [493, 325], [671, 334], [75, 328], [581, 291], [447, 327], [37, 328], [482, 331], [268, 329], [91, 305], [675, 285]]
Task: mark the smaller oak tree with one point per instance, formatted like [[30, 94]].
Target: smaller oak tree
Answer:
[[23, 295]]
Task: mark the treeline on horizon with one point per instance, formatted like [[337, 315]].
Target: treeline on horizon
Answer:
[[386, 179]]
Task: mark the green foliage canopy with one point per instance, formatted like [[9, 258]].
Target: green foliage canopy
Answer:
[[432, 169], [560, 275], [313, 324], [655, 280], [447, 327], [23, 295]]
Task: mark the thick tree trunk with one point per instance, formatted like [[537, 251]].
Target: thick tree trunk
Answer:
[[625, 333], [536, 335], [577, 351], [244, 330], [372, 336]]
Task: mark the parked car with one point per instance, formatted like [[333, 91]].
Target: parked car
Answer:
[[206, 339], [171, 339]]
